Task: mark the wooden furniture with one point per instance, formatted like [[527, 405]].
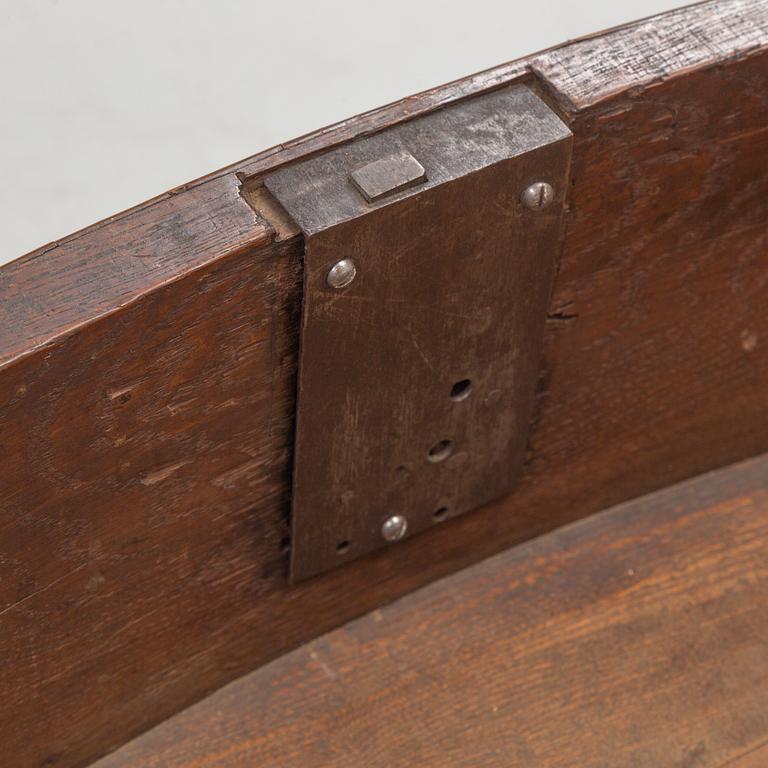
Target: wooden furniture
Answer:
[[147, 386], [634, 637]]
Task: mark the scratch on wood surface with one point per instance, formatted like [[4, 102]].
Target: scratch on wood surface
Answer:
[[323, 665], [43, 589], [115, 394], [743, 760], [231, 477], [748, 341], [151, 478]]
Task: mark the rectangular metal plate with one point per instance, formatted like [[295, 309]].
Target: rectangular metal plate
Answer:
[[417, 380]]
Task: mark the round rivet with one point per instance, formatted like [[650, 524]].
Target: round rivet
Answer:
[[394, 528], [341, 274], [538, 196]]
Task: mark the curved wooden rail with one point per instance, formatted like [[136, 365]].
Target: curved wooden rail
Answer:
[[634, 638]]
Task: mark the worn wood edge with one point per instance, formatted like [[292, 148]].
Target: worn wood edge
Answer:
[[266, 206], [592, 70], [660, 514], [36, 312], [554, 78], [562, 71], [134, 299]]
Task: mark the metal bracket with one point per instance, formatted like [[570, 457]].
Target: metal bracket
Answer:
[[430, 254]]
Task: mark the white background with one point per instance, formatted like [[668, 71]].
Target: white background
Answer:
[[107, 103]]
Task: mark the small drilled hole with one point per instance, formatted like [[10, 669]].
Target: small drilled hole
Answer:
[[461, 389], [440, 514], [440, 451], [342, 547]]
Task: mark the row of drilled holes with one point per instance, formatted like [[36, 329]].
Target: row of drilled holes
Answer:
[[442, 450], [437, 453]]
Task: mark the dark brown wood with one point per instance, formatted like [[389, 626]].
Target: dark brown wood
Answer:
[[453, 284], [636, 637], [56, 290], [147, 378]]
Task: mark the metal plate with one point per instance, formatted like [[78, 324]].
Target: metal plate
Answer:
[[417, 379]]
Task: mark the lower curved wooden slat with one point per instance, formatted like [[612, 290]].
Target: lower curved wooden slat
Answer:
[[638, 637]]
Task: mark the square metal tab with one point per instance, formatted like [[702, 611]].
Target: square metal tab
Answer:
[[388, 175]]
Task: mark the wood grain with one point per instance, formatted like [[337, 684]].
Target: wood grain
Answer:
[[634, 638], [594, 69], [63, 286], [148, 374], [142, 478]]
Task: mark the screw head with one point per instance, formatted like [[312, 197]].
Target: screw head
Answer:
[[394, 528], [538, 196], [341, 274]]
